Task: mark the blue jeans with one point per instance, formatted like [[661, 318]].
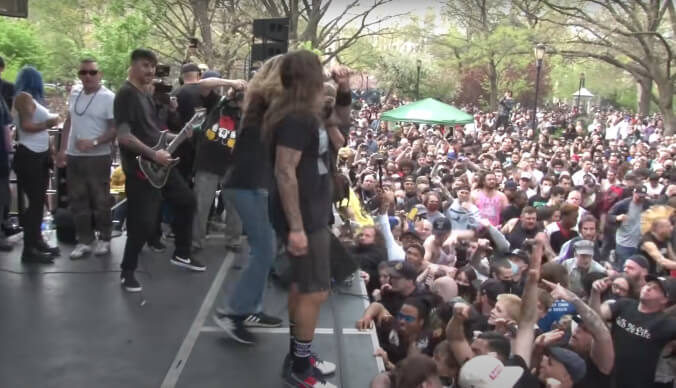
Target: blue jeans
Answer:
[[252, 205], [622, 254]]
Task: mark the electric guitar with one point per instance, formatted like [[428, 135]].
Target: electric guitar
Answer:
[[157, 174]]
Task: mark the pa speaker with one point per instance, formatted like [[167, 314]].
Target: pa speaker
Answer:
[[271, 29], [260, 52], [14, 8]]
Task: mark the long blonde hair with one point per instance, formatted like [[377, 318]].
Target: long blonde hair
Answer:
[[302, 79], [264, 85]]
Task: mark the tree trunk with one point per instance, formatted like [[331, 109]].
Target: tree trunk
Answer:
[[493, 78], [643, 90], [201, 11], [293, 24], [665, 101]]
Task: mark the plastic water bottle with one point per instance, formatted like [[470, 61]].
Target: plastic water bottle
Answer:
[[49, 230]]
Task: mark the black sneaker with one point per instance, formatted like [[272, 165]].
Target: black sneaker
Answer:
[[261, 320], [235, 329], [33, 255], [157, 246], [129, 282], [307, 380], [42, 246], [189, 263]]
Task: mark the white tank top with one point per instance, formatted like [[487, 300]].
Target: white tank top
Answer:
[[34, 141]]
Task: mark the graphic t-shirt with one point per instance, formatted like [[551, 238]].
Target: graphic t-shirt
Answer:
[[662, 246], [215, 143], [303, 133], [638, 339]]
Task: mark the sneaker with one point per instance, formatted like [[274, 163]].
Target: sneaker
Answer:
[[102, 248], [80, 251], [129, 282], [320, 367], [189, 263], [157, 246], [307, 380], [326, 368], [235, 329], [261, 320]]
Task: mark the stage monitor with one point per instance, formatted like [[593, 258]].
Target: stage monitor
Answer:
[[14, 8], [276, 29]]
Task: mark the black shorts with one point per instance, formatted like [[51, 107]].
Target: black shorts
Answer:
[[312, 272]]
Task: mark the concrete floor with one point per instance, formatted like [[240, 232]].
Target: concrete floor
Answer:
[[71, 325]]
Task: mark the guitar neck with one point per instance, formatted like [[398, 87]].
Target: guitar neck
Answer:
[[180, 138]]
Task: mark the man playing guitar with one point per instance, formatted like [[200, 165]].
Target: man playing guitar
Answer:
[[137, 133]]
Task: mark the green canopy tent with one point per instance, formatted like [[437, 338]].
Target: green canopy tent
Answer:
[[428, 111]]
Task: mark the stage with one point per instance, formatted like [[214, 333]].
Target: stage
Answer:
[[70, 324]]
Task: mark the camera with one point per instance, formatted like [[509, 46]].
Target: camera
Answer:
[[162, 71]]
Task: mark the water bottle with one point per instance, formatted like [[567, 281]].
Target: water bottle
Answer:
[[49, 230]]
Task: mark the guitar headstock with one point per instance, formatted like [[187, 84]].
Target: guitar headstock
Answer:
[[198, 118]]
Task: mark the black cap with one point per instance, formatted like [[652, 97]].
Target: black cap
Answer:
[[189, 68], [441, 225], [211, 74], [403, 269], [668, 286], [574, 364], [492, 288], [521, 254], [640, 260]]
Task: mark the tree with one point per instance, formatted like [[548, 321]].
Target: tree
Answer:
[[20, 45], [487, 37], [307, 23], [630, 35]]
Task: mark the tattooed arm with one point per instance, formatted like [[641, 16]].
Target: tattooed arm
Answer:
[[602, 350]]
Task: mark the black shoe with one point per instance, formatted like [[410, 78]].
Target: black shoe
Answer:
[[129, 282], [33, 255], [189, 263], [261, 320], [44, 247], [5, 245], [157, 246], [235, 329]]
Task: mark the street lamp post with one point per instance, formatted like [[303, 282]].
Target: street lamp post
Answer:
[[579, 92], [417, 82], [540, 50]]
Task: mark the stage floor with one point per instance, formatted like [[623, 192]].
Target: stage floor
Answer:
[[70, 324]]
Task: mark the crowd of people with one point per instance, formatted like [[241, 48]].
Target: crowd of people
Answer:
[[494, 254]]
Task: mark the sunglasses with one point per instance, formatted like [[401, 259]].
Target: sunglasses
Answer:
[[90, 72], [405, 317]]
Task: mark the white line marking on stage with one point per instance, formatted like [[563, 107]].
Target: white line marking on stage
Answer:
[[374, 337], [285, 330], [184, 351]]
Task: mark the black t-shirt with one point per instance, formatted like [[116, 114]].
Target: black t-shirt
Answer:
[[559, 237], [661, 245], [638, 339], [593, 378], [250, 169], [303, 133], [394, 300], [537, 201], [511, 211], [135, 109], [7, 92], [518, 235], [189, 97], [527, 379], [214, 145]]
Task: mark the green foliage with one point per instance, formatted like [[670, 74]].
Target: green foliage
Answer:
[[20, 45], [307, 45], [117, 38]]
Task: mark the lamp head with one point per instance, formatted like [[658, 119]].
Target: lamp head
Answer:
[[540, 50]]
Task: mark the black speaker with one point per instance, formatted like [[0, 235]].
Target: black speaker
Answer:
[[17, 8], [276, 29], [260, 52]]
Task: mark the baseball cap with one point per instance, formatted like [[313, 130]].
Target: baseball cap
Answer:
[[492, 288], [641, 190], [441, 225], [403, 269], [640, 260], [521, 254], [668, 286], [574, 364], [584, 247], [526, 175], [211, 74], [488, 372], [510, 185], [452, 155], [189, 68]]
